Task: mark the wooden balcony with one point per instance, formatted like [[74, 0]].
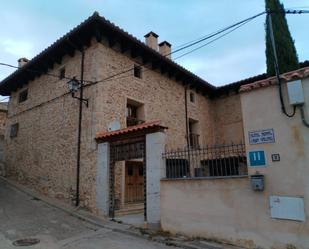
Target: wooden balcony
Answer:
[[131, 121], [194, 140]]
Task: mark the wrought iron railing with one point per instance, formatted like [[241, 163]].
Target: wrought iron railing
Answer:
[[131, 121], [209, 161]]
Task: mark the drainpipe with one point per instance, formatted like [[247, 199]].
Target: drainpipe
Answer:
[[186, 114], [79, 128], [187, 129]]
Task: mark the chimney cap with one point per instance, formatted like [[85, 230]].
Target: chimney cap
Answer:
[[165, 43], [151, 33], [23, 59]]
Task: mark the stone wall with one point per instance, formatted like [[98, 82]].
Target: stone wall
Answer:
[[43, 155], [3, 120], [228, 120]]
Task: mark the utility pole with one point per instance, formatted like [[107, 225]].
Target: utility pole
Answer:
[[79, 127]]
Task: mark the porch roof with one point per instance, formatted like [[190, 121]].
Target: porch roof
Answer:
[[292, 75], [131, 131]]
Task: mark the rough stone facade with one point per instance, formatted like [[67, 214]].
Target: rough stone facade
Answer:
[[228, 120], [43, 154], [3, 120]]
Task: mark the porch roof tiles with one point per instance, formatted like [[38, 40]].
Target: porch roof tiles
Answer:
[[292, 75], [140, 129]]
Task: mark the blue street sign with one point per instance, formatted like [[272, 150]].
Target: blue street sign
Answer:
[[257, 158]]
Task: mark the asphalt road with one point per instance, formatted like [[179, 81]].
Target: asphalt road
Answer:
[[24, 217]]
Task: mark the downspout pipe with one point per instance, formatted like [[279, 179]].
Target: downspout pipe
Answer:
[[186, 116], [302, 114], [187, 128]]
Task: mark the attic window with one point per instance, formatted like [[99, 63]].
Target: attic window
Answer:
[[137, 71], [192, 97], [62, 73], [14, 130], [23, 95]]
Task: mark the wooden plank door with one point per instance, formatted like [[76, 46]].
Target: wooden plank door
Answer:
[[134, 182]]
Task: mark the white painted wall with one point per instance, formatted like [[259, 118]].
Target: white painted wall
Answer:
[[102, 179], [228, 209], [155, 144]]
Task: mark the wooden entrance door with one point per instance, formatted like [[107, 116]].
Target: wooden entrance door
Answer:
[[134, 182]]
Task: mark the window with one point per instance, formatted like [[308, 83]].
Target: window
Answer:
[[137, 71], [14, 130], [193, 134], [192, 97], [62, 73], [23, 95], [134, 113]]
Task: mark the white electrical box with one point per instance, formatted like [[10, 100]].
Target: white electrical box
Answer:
[[287, 208], [295, 92]]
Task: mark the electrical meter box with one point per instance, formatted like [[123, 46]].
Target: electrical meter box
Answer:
[[295, 92], [257, 182]]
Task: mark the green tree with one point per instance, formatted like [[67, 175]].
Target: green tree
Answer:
[[286, 51]]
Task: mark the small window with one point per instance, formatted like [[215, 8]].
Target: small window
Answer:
[[23, 96], [192, 97], [62, 73], [137, 71], [130, 170], [14, 130]]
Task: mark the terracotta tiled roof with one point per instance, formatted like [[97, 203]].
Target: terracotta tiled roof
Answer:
[[139, 127], [293, 75]]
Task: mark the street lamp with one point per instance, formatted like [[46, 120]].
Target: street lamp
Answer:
[[74, 85]]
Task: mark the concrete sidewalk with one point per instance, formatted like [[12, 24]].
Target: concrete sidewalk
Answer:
[[27, 214]]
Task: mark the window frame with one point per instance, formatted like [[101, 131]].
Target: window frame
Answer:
[[23, 96], [62, 73], [138, 72], [14, 130], [192, 97]]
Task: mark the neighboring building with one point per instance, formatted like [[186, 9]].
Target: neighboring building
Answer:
[[3, 120], [156, 137], [228, 209]]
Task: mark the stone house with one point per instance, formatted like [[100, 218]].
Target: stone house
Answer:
[[141, 106], [42, 130]]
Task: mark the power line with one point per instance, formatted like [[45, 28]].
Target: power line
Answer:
[[195, 49], [186, 46], [194, 42], [129, 70], [36, 71]]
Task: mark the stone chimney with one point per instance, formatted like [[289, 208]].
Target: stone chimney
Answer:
[[22, 61], [165, 49], [151, 40]]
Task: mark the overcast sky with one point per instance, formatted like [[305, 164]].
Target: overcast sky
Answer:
[[29, 26]]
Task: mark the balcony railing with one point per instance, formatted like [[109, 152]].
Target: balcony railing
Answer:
[[131, 121], [194, 140]]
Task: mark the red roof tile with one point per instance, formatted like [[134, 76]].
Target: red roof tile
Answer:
[[293, 75], [139, 127]]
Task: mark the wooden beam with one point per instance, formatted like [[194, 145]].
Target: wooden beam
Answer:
[[111, 41], [98, 34], [134, 52], [155, 65], [145, 59], [124, 47]]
